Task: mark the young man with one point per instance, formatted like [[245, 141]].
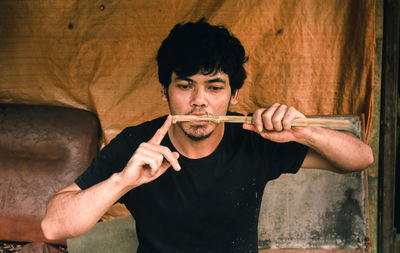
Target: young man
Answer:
[[197, 186]]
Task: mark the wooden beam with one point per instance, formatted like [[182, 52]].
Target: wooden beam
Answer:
[[388, 128]]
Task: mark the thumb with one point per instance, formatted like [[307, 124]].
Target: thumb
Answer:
[[250, 128]]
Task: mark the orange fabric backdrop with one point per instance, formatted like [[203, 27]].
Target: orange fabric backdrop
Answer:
[[99, 55]]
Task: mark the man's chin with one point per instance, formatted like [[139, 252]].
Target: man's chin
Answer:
[[198, 134], [198, 137]]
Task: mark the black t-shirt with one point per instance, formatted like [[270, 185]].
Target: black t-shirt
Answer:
[[212, 204]]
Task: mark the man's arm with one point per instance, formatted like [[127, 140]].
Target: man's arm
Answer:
[[329, 149], [336, 151], [72, 211]]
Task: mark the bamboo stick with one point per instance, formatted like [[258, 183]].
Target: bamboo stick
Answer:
[[311, 122]]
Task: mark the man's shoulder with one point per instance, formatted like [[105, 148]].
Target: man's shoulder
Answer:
[[156, 122], [143, 130]]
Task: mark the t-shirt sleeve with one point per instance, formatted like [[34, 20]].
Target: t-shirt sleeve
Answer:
[[111, 159], [284, 158]]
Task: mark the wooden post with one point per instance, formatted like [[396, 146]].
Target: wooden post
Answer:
[[388, 128]]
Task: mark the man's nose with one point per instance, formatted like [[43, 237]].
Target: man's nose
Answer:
[[199, 97]]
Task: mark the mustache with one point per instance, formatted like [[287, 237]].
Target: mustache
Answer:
[[197, 110]]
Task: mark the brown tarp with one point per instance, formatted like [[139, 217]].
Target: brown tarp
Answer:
[[315, 55]]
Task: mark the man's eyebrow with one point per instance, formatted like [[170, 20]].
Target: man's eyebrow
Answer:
[[183, 78], [216, 80], [212, 80]]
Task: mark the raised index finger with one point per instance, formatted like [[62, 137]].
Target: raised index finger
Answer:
[[162, 131]]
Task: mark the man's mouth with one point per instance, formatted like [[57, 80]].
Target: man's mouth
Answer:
[[199, 122]]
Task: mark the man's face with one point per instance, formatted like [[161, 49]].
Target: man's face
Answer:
[[199, 95]]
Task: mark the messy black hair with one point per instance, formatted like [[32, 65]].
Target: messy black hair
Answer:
[[199, 47]]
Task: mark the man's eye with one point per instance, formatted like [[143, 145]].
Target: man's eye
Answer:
[[183, 86], [215, 88]]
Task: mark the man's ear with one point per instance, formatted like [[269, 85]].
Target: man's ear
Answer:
[[234, 98], [164, 94]]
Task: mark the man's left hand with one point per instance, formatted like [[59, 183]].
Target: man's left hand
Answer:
[[274, 123]]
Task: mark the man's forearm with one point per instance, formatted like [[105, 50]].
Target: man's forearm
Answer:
[[342, 149], [71, 213]]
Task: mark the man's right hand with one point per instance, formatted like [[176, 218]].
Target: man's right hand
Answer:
[[151, 159], [72, 211]]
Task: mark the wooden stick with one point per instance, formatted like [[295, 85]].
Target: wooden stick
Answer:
[[312, 122]]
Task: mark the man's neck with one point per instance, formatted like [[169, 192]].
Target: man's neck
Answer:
[[195, 149]]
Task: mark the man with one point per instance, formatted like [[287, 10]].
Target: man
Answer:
[[197, 186]]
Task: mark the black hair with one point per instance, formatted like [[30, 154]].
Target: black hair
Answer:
[[199, 47]]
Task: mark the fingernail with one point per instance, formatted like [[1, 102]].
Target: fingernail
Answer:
[[178, 167], [259, 128]]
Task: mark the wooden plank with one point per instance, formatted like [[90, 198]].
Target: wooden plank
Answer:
[[388, 128]]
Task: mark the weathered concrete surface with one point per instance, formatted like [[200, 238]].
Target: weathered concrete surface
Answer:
[[314, 209]]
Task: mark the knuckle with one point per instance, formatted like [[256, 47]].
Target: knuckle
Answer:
[[286, 126], [145, 145], [265, 114], [155, 157], [268, 126], [286, 121], [258, 112], [162, 149], [160, 157], [276, 120], [292, 111], [283, 107]]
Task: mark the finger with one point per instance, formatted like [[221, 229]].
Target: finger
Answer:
[[250, 127], [150, 164], [267, 117], [171, 158], [287, 119], [291, 114], [166, 163], [147, 157], [277, 118], [162, 131], [163, 168], [163, 153], [257, 119], [153, 168], [147, 150]]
